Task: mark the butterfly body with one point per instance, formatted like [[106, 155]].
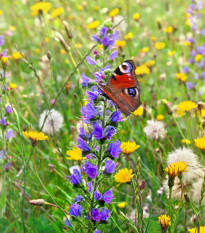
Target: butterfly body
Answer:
[[123, 88]]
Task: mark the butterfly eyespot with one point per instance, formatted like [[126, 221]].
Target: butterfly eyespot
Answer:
[[132, 91], [125, 67]]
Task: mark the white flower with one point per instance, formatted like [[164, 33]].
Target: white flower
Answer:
[[122, 26], [53, 122], [155, 129], [71, 169], [192, 179]]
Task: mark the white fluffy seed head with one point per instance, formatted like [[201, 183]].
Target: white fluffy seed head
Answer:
[[53, 122], [155, 129]]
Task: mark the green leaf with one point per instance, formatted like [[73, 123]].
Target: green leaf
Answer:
[[4, 224]]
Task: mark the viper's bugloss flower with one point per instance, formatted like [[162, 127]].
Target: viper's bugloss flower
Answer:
[[8, 109], [200, 143], [90, 186], [108, 196], [75, 154], [83, 145], [93, 25], [97, 195], [129, 147], [67, 223], [57, 12], [75, 178], [114, 55], [78, 199], [109, 167], [164, 221], [1, 40], [138, 112], [98, 131], [91, 170], [124, 175], [104, 214], [76, 210], [85, 80], [176, 168], [34, 136], [116, 116], [114, 149], [110, 131], [90, 61]]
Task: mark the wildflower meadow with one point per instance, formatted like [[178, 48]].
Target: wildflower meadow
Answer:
[[102, 116]]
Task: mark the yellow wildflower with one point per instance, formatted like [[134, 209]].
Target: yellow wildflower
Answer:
[[78, 45], [144, 50], [201, 113], [120, 43], [160, 117], [47, 39], [40, 7], [171, 53], [37, 50], [12, 86], [129, 147], [168, 30], [176, 168], [139, 111], [136, 16], [200, 143], [75, 154], [187, 43], [114, 12], [12, 28], [17, 56], [70, 17], [56, 12], [195, 230], [153, 38], [185, 141], [141, 70], [122, 204], [181, 76], [129, 36], [198, 57], [4, 60], [93, 25], [123, 176], [80, 8], [63, 51], [185, 106], [96, 8], [149, 63], [159, 45], [1, 12], [34, 136], [164, 221]]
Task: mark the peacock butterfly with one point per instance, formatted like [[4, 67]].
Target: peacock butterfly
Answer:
[[123, 88]]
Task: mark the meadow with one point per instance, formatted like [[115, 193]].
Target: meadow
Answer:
[[71, 158]]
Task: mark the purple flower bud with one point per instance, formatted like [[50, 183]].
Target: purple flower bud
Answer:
[[95, 215], [114, 149], [78, 199], [10, 134], [85, 80], [113, 55], [185, 69], [104, 214], [109, 167], [1, 40], [191, 61], [75, 210], [8, 166], [91, 170], [116, 116], [203, 32], [95, 38], [3, 121], [90, 186], [107, 196], [88, 112], [92, 95], [189, 85], [97, 195], [105, 41], [203, 75], [110, 131], [103, 31], [75, 178], [97, 231], [67, 223], [1, 154], [98, 132], [91, 61], [83, 145]]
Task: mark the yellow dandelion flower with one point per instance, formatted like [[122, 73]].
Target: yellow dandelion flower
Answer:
[[171, 53], [129, 147], [43, 7], [201, 113], [160, 117], [122, 204], [159, 45], [4, 60], [120, 43], [17, 56], [176, 168], [129, 36], [185, 141], [37, 50], [149, 63], [200, 143], [153, 38], [114, 12], [139, 111], [136, 16], [124, 175], [12, 86], [70, 17], [93, 25], [144, 50], [1, 12], [198, 57], [34, 136], [80, 8], [164, 221], [78, 45], [96, 8], [181, 77], [141, 70], [75, 154], [185, 106], [168, 30], [12, 28], [187, 43], [63, 51], [195, 230], [56, 12]]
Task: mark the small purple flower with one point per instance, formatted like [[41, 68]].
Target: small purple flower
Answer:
[[113, 55], [67, 223], [3, 121], [193, 53], [97, 231], [116, 116], [75, 178], [88, 112], [90, 186], [191, 40], [95, 215], [8, 166], [115, 35], [97, 195], [203, 32], [8, 109], [85, 80], [103, 31], [83, 145], [185, 69], [1, 154], [189, 85], [203, 75], [1, 40], [91, 170], [104, 214], [78, 199], [109, 167], [98, 132], [91, 61], [75, 210], [114, 149], [95, 38], [10, 134], [110, 131], [92, 95], [107, 196]]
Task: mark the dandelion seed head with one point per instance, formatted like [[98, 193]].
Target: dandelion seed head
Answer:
[[155, 129]]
